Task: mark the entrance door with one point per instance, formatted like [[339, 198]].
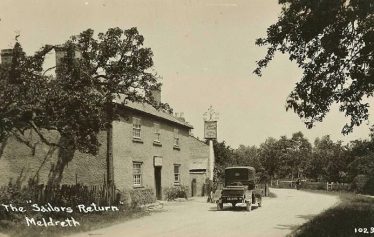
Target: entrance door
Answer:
[[158, 182], [193, 187]]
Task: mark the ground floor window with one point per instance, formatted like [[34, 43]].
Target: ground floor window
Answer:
[[177, 175], [137, 173]]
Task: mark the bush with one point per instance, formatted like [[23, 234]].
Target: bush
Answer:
[[369, 186], [142, 196], [363, 184], [313, 185], [359, 183], [176, 192]]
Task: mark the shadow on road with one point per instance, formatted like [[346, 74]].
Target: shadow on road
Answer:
[[294, 227], [272, 195], [306, 217], [287, 227], [234, 209]]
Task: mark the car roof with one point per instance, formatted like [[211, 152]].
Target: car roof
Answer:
[[241, 167]]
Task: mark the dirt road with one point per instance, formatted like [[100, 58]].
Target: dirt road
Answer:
[[278, 217]]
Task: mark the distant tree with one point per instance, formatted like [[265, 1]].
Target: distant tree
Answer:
[[301, 153], [296, 153], [362, 165], [362, 155], [270, 156], [332, 41], [248, 156], [329, 160], [283, 149]]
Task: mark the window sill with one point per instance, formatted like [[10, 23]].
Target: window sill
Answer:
[[175, 147], [137, 140], [157, 143], [177, 184], [138, 187]]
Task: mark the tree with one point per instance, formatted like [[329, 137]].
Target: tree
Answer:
[[79, 102], [362, 155], [295, 153], [224, 157], [283, 149], [301, 152], [270, 156], [329, 160], [248, 156], [332, 41]]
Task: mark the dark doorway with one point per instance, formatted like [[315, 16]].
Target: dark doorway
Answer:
[[193, 187], [158, 182]]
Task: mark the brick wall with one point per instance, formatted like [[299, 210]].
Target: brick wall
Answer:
[[19, 160], [126, 151], [199, 153]]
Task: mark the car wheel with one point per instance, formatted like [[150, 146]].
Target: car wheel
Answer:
[[248, 206], [219, 206]]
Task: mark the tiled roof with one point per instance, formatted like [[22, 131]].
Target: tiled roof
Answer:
[[149, 109]]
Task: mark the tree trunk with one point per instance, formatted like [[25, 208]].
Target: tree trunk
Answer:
[[109, 157], [109, 152], [2, 146], [65, 155]]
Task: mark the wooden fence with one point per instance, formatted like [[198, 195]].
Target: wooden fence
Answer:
[[311, 185], [71, 194]]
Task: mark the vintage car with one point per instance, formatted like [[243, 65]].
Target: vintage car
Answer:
[[240, 187]]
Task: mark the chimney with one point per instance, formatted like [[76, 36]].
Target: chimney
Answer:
[[156, 94], [181, 117], [60, 54], [6, 56]]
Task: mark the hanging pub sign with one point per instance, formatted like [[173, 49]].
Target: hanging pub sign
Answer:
[[157, 161], [210, 130]]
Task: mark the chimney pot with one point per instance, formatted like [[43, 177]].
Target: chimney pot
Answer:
[[6, 56]]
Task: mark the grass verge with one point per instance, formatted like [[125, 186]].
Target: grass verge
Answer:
[[345, 219]]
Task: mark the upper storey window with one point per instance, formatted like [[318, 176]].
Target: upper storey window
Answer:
[[136, 128]]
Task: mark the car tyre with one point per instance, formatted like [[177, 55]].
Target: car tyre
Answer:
[[219, 206], [248, 206]]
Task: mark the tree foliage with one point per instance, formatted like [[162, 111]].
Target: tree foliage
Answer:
[[93, 72], [296, 157], [362, 152], [329, 160], [248, 156], [270, 156], [224, 157], [332, 41], [95, 75]]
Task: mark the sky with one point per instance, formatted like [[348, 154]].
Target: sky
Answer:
[[204, 51]]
